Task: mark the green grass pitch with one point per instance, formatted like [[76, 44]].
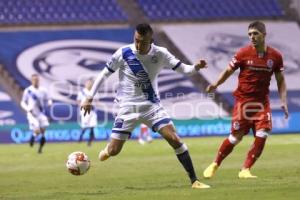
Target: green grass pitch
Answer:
[[150, 172]]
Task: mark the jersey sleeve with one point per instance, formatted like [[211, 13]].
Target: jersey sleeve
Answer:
[[236, 60], [115, 62], [27, 102], [169, 60], [79, 96], [25, 96], [279, 64]]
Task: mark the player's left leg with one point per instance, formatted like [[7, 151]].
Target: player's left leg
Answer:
[[42, 140], [168, 133], [43, 123], [81, 134], [254, 153], [92, 136], [262, 127], [125, 122]]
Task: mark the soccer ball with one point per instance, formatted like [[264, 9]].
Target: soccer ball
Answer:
[[78, 163]]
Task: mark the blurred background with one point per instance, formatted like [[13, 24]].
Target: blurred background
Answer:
[[69, 41]]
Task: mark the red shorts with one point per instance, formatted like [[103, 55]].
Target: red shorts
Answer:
[[247, 115]]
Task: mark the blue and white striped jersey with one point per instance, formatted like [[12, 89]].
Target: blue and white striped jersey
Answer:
[[34, 100], [138, 73]]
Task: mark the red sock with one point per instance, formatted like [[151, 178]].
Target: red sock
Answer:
[[255, 151], [224, 150]]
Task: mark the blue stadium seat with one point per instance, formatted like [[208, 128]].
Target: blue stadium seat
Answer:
[[18, 12], [165, 10]]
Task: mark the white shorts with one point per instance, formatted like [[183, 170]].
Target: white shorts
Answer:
[[128, 117], [89, 120], [37, 122]]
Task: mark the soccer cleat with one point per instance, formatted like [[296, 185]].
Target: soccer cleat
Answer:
[[245, 173], [210, 170], [198, 185], [103, 155]]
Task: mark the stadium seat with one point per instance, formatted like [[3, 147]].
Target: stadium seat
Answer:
[[163, 10], [60, 12]]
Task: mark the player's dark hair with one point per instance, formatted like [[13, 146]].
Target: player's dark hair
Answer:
[[258, 25], [144, 29]]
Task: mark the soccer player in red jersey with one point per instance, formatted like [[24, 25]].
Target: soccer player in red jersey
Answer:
[[257, 63]]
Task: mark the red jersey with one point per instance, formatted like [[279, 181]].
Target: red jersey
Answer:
[[255, 73]]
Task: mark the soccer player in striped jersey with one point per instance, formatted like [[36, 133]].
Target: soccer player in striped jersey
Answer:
[[139, 65], [87, 122], [34, 102]]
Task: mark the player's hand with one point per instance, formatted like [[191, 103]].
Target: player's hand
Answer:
[[200, 65], [211, 88], [86, 106], [285, 110]]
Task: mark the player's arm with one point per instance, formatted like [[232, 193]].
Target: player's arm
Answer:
[[87, 103], [25, 104], [222, 78], [170, 61], [79, 98], [190, 69], [115, 62], [282, 91]]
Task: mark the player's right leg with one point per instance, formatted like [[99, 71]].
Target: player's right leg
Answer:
[[113, 148], [42, 140], [81, 134], [34, 127], [224, 150], [33, 136], [125, 122]]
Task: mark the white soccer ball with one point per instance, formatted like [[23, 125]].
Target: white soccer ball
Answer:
[[78, 163]]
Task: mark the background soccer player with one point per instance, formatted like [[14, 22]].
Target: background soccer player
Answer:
[[144, 135], [257, 63], [139, 65], [89, 121], [34, 102]]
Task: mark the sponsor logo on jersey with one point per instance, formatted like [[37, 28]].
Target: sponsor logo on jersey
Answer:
[[118, 123]]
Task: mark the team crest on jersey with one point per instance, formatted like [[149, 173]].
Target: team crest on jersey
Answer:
[[118, 123], [236, 126], [154, 59], [270, 63]]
